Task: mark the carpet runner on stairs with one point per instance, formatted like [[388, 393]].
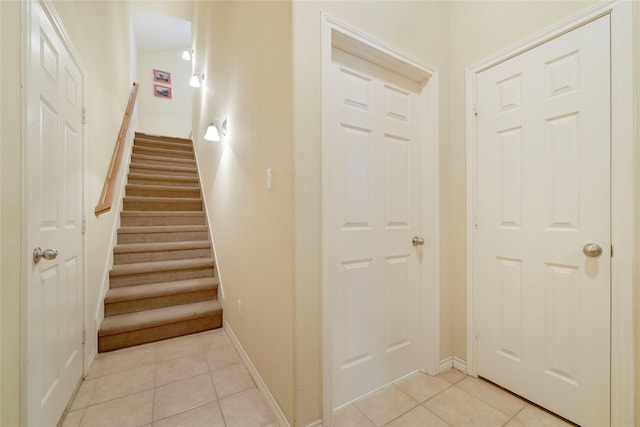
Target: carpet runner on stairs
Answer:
[[162, 283]]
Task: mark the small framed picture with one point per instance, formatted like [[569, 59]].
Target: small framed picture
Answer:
[[162, 77], [162, 91]]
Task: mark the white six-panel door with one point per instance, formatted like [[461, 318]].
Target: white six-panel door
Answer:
[[54, 187], [543, 305], [374, 151]]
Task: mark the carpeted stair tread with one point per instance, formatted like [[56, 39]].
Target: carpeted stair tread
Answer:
[[162, 191], [186, 181], [145, 168], [145, 142], [159, 266], [162, 152], [137, 229], [151, 137], [161, 316], [151, 290], [161, 218], [145, 159], [160, 246], [141, 203]]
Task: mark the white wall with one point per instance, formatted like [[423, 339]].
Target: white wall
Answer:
[[161, 116]]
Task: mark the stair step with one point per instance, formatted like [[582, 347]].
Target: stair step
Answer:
[[131, 299], [154, 190], [151, 143], [162, 152], [148, 136], [161, 179], [161, 161], [152, 218], [159, 272], [185, 171], [163, 251], [160, 233], [130, 329], [135, 203]]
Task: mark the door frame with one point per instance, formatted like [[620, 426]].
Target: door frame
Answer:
[[338, 34], [622, 192], [56, 22]]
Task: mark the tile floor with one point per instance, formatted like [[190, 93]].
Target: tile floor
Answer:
[[196, 380], [200, 380], [450, 399]]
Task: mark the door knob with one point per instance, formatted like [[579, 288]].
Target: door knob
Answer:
[[592, 250], [417, 241], [47, 254]]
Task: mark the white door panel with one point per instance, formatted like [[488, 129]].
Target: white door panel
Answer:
[[375, 208], [54, 186], [543, 193]]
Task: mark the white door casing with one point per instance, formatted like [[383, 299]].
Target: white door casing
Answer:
[[581, 276], [54, 206], [380, 190]]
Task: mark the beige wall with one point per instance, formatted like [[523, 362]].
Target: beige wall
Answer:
[[161, 116], [637, 277], [10, 208], [244, 48], [100, 32]]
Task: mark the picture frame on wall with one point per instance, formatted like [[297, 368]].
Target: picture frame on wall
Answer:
[[162, 91], [162, 77]]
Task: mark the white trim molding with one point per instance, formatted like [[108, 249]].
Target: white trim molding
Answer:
[[262, 386], [351, 40], [453, 362], [623, 117]]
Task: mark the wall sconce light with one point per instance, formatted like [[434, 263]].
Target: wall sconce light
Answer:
[[212, 133], [196, 81], [187, 54], [223, 129]]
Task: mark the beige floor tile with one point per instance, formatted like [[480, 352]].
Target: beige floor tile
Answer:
[[419, 416], [214, 338], [134, 410], [386, 405], [452, 375], [122, 360], [495, 396], [84, 394], [232, 379], [246, 409], [459, 408], [532, 416], [272, 424], [174, 398], [178, 347], [221, 357], [72, 419], [208, 415], [421, 386], [122, 384], [351, 416], [514, 423], [169, 371]]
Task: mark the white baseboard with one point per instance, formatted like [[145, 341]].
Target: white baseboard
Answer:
[[453, 362], [317, 423], [281, 419]]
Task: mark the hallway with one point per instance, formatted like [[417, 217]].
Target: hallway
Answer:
[[200, 380]]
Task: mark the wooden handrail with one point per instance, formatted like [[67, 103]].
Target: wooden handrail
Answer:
[[106, 198]]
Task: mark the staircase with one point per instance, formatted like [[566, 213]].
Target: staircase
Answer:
[[163, 282]]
